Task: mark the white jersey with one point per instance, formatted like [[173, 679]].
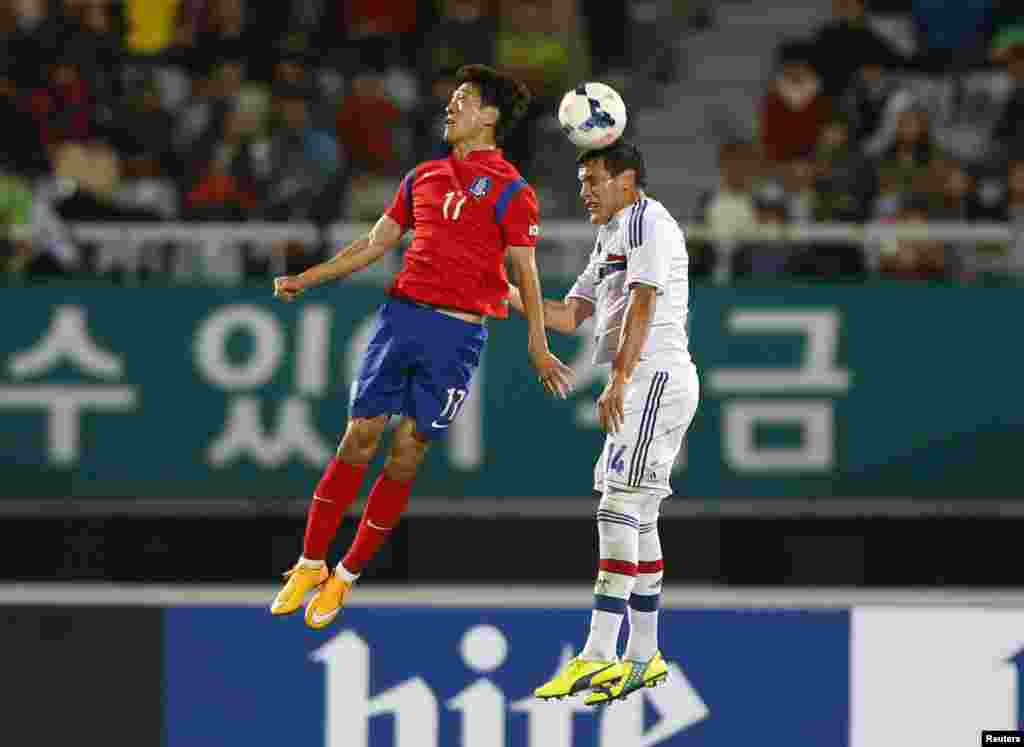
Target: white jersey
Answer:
[[642, 244]]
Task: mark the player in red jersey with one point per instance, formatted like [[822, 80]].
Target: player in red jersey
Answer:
[[467, 210]]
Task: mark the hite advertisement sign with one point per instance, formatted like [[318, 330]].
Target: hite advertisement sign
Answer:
[[461, 677]]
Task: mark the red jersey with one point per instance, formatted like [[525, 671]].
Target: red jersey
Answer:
[[465, 212]]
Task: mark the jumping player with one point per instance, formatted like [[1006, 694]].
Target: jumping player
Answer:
[[467, 210], [636, 285]]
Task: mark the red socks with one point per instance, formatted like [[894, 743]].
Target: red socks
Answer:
[[335, 492], [385, 506]]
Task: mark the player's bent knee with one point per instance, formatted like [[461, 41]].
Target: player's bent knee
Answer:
[[361, 439]]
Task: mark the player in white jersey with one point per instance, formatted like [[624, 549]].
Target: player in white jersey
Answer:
[[636, 287]]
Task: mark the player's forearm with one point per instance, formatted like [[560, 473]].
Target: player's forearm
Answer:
[[638, 325], [356, 256], [557, 315], [528, 281]]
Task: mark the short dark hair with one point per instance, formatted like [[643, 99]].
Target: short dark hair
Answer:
[[510, 97], [618, 157]]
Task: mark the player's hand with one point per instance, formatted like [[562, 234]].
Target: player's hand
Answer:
[[288, 287], [556, 377], [611, 405]]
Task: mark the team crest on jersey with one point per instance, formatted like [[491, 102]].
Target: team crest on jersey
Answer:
[[480, 186], [612, 263]]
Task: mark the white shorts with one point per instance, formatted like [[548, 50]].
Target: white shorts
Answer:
[[661, 401]]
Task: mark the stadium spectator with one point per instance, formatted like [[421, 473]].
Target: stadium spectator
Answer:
[[729, 210], [428, 118], [845, 44], [144, 129], [1006, 13], [793, 110], [951, 35], [866, 100], [33, 241], [20, 147], [1014, 214], [93, 171], [216, 90], [152, 25], [609, 30], [64, 107], [219, 31], [380, 32], [844, 178], [799, 178], [533, 46], [903, 167], [367, 123], [919, 258], [766, 258], [303, 159], [15, 221], [466, 33], [953, 196], [219, 195], [1008, 49]]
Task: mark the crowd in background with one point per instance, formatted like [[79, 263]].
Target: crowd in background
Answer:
[[311, 110], [843, 137], [237, 110]]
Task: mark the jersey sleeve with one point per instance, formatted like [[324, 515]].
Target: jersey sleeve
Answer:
[[650, 241], [585, 286], [400, 210], [518, 214]]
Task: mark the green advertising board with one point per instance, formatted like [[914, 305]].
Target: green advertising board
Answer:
[[809, 394]]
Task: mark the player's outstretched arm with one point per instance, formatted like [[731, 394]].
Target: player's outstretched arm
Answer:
[[358, 255], [555, 375], [561, 316]]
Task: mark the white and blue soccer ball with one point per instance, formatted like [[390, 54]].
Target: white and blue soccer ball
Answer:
[[592, 115]]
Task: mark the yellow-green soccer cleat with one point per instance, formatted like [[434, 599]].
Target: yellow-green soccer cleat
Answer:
[[635, 675], [577, 676], [301, 581], [327, 602]]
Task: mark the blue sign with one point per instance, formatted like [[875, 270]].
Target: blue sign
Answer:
[[418, 677]]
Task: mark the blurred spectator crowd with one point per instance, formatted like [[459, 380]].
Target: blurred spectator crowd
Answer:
[[309, 112], [896, 111], [238, 110]]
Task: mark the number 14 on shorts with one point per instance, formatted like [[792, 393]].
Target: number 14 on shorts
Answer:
[[615, 462]]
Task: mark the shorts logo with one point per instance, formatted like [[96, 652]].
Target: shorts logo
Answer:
[[534, 229], [480, 186]]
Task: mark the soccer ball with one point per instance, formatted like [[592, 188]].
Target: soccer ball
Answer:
[[592, 115]]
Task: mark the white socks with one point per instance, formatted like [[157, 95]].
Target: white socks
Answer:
[[645, 600], [345, 575], [617, 526]]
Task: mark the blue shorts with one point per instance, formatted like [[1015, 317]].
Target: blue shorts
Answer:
[[419, 363]]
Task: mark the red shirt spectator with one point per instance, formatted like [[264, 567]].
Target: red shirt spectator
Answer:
[[794, 109], [64, 109], [365, 123], [373, 18]]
